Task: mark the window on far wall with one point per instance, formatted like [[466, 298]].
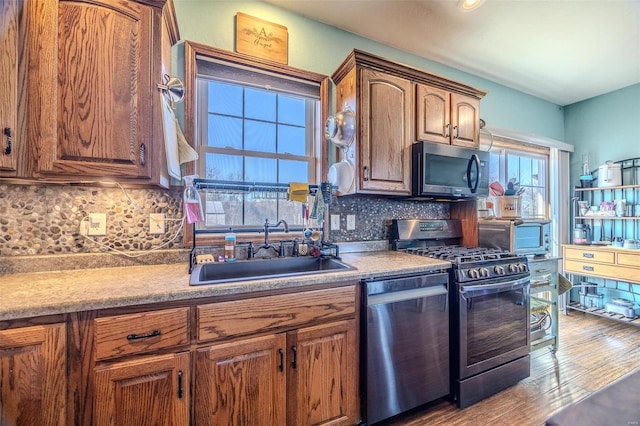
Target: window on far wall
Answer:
[[255, 125], [526, 165]]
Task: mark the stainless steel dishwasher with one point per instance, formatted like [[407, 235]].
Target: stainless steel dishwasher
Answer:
[[405, 332]]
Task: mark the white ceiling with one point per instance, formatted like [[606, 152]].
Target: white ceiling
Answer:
[[563, 51]]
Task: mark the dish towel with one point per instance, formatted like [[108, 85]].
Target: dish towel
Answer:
[[176, 146], [298, 191]]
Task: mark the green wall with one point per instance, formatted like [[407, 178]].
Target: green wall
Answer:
[[606, 127], [317, 47]]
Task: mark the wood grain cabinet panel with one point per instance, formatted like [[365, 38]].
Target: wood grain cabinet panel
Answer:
[[89, 103], [10, 43], [241, 382], [116, 336], [33, 376], [262, 314], [151, 390]]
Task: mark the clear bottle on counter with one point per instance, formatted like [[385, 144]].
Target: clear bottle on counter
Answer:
[[230, 246], [192, 204]]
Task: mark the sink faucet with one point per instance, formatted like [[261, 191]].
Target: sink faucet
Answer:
[[268, 225]]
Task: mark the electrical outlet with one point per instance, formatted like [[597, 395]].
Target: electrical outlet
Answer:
[[97, 224], [351, 222], [335, 222], [156, 223]]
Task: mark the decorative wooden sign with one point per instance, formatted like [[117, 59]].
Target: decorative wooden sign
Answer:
[[261, 39]]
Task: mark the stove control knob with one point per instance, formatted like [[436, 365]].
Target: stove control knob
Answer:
[[522, 267], [473, 273], [513, 267], [499, 270], [484, 272]]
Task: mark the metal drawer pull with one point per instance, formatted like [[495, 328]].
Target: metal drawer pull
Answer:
[[588, 255], [281, 366], [587, 268], [294, 362], [154, 333], [180, 391], [7, 133]]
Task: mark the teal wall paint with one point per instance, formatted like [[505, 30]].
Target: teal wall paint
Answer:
[[317, 47], [606, 127]]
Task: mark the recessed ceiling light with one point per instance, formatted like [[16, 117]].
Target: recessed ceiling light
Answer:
[[469, 5]]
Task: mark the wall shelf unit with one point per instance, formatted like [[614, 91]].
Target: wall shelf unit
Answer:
[[607, 271]]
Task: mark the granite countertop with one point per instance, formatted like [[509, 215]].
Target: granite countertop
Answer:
[[26, 295]]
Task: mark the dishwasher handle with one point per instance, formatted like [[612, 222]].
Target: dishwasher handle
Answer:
[[400, 296]]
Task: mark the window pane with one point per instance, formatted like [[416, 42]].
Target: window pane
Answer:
[[261, 170], [222, 209], [224, 167], [225, 99], [293, 171], [291, 110], [225, 132], [260, 105], [291, 140], [257, 209], [260, 136]]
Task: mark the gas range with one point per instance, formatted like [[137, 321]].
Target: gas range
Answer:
[[440, 239]]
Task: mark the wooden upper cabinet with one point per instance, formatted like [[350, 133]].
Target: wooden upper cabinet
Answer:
[[385, 133], [33, 376], [391, 102], [9, 48], [446, 117], [94, 91]]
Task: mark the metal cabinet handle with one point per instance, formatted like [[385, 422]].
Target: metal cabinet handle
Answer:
[[445, 130], [457, 130], [143, 154], [133, 336], [281, 366], [588, 255], [180, 390], [7, 133], [587, 268], [294, 362], [366, 173]]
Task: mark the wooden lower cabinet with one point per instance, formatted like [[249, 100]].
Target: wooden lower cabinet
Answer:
[[303, 377], [152, 390], [33, 376]]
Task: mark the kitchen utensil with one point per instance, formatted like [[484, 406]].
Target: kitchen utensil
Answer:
[[341, 128], [609, 174], [341, 174], [496, 189]]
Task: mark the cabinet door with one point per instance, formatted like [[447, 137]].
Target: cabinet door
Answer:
[[33, 381], [102, 90], [241, 382], [465, 120], [385, 133], [146, 391], [322, 385], [433, 118], [9, 48]]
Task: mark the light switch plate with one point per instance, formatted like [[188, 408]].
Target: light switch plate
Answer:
[[156, 223], [97, 224], [335, 222], [351, 222]]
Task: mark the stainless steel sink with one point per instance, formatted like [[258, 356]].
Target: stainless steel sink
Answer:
[[219, 273]]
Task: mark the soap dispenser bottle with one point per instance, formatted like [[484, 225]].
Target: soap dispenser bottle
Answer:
[[192, 205], [230, 246]]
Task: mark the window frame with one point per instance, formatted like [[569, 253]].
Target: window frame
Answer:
[[194, 50]]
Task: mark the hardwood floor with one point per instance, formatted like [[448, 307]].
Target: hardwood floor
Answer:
[[592, 353]]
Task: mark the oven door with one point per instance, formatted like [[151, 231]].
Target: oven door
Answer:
[[494, 324]]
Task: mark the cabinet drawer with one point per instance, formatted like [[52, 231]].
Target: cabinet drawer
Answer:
[[629, 259], [142, 332], [249, 316], [605, 271], [590, 255]]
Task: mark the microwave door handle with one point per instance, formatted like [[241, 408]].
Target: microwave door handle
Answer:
[[473, 160]]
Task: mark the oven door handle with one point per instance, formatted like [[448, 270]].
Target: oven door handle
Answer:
[[401, 296], [492, 288]]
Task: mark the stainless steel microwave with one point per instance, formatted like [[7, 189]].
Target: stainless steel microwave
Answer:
[[447, 171], [523, 237]]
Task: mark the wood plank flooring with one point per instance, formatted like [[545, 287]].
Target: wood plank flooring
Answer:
[[592, 353]]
